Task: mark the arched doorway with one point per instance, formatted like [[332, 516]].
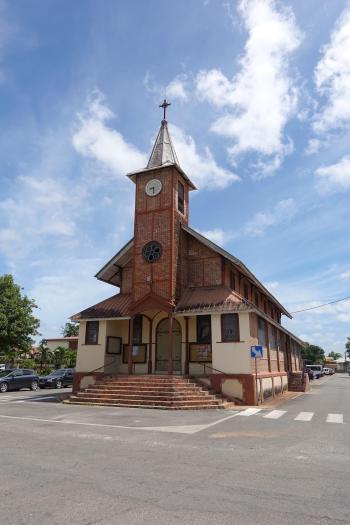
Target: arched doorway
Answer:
[[162, 346]]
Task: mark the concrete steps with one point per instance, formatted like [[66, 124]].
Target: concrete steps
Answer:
[[163, 392]]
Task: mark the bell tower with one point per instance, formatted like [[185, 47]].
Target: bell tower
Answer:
[[161, 206]]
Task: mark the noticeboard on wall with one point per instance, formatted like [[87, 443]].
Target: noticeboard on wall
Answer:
[[200, 353], [139, 353], [114, 345]]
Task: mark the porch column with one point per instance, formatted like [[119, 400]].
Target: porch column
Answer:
[[170, 346], [150, 346], [187, 359], [131, 337]]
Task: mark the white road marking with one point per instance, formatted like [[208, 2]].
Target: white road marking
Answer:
[[304, 416], [249, 412], [334, 418], [184, 429], [275, 414]]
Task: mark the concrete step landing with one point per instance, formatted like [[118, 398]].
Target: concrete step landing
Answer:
[[163, 392]]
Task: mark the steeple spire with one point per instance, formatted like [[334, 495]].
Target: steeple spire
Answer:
[[163, 150]]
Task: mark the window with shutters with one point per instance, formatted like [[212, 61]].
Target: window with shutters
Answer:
[[91, 334], [229, 328], [203, 329]]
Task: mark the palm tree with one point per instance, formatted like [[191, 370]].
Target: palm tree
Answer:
[[44, 356], [60, 356]]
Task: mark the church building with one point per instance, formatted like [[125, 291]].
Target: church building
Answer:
[[186, 308]]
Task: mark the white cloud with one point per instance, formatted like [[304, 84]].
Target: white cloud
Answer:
[[283, 212], [177, 88], [45, 206], [217, 235], [332, 77], [93, 139], [335, 177], [272, 285], [262, 96], [313, 146], [66, 289], [201, 168], [106, 146], [345, 275]]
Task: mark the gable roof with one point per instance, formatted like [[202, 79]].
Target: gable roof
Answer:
[[110, 273], [235, 261]]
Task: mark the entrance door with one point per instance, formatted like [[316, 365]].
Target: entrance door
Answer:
[[163, 345]]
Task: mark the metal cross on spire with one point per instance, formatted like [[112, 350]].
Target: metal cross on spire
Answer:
[[164, 106]]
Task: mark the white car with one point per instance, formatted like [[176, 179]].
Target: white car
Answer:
[[328, 371], [317, 370]]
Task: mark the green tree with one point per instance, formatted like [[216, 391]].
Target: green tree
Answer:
[[70, 330], [71, 357], [60, 355], [17, 323], [44, 355], [313, 355], [334, 355]]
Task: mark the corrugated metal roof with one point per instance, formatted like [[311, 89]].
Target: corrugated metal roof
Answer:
[[210, 298], [116, 306]]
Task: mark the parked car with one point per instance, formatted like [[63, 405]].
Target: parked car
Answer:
[[328, 371], [317, 369], [310, 373], [58, 378], [15, 379]]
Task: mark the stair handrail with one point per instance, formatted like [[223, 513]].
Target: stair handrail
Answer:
[[205, 365], [103, 366]]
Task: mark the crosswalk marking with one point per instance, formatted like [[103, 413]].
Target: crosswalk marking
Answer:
[[334, 418], [304, 416], [250, 411], [275, 414]]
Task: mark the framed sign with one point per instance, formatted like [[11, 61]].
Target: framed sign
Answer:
[[139, 353], [114, 345], [200, 353]]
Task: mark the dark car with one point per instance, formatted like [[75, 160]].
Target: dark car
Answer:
[[58, 378], [18, 378]]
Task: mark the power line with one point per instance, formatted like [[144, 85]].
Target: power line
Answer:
[[321, 305]]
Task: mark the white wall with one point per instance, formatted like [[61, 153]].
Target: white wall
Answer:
[[232, 358], [90, 357]]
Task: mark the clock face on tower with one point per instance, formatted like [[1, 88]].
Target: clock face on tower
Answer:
[[153, 187]]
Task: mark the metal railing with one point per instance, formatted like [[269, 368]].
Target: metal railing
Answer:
[[205, 365], [104, 365]]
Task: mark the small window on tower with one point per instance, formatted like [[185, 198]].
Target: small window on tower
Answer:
[[180, 197]]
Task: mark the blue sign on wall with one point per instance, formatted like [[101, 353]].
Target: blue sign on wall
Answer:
[[256, 351]]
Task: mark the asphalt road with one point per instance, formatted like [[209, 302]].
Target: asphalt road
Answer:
[[288, 464]]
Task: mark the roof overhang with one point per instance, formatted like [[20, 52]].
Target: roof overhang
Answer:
[[133, 174], [110, 273]]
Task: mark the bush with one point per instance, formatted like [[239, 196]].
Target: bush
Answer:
[[28, 363]]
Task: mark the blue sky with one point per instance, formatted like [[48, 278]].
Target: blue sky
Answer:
[[260, 119]]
